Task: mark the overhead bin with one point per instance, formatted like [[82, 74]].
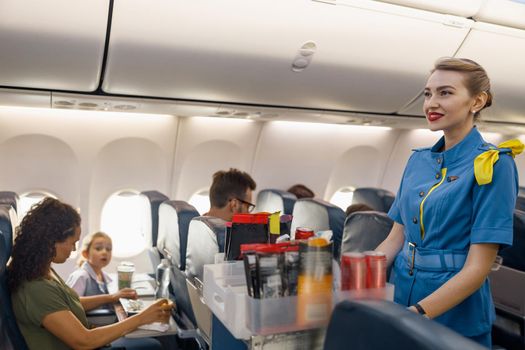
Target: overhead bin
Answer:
[[463, 8], [509, 13], [501, 51], [356, 56], [54, 44]]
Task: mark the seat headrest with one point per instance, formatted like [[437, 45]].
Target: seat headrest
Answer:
[[360, 322], [272, 200], [319, 215], [520, 202], [6, 228], [376, 198], [206, 237], [8, 197], [152, 200], [174, 221], [513, 256], [365, 230]]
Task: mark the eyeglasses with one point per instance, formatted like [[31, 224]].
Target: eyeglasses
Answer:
[[251, 206]]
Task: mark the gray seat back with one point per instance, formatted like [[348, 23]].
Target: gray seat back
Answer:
[[378, 325], [376, 198], [154, 198], [9, 197], [365, 230]]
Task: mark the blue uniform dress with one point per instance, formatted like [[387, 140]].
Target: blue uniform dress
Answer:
[[444, 210]]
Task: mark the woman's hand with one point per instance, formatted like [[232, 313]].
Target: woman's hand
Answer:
[[127, 293], [159, 311]]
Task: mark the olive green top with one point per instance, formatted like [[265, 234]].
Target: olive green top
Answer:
[[36, 299]]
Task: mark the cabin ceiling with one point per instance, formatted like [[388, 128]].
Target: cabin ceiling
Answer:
[[332, 61]]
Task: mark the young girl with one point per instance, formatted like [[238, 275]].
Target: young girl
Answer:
[[89, 281]]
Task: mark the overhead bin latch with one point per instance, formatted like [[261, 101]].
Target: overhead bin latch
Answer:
[[458, 22], [304, 56]]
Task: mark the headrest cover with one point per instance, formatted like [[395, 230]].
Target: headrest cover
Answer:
[[8, 197], [154, 199], [272, 200], [365, 230]]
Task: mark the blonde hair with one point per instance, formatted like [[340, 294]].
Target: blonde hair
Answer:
[[86, 244], [476, 78]]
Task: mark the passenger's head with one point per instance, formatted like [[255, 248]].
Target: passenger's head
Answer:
[[48, 233], [301, 191], [457, 89], [231, 191], [357, 207], [96, 249]]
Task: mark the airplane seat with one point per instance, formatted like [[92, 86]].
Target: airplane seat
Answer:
[[520, 202], [206, 237], [272, 200], [7, 225], [174, 221], [508, 289], [357, 324], [10, 336], [365, 230], [319, 216], [376, 198], [9, 197], [151, 201]]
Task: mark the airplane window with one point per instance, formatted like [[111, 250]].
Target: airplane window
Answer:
[[201, 201], [343, 197], [27, 200], [124, 219]]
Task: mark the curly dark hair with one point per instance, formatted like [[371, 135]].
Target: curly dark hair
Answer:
[[47, 223]]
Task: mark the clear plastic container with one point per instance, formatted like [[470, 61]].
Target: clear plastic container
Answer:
[[226, 295]]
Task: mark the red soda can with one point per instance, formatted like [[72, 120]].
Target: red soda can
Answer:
[[353, 271], [303, 233], [375, 269]]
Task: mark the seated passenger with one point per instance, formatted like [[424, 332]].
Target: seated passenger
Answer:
[[301, 191], [352, 208], [49, 313], [231, 193], [89, 280]]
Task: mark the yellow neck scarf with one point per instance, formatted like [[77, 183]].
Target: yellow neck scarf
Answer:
[[484, 163]]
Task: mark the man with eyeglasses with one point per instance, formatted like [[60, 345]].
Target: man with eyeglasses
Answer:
[[231, 193]]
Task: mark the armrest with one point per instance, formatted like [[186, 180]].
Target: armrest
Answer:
[[101, 317]]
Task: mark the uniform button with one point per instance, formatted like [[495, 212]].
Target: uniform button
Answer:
[[439, 160], [414, 220], [421, 194], [437, 176]]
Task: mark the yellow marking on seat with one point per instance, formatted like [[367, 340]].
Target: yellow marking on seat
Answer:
[[421, 225]]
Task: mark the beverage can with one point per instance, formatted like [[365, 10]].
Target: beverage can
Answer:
[[376, 269], [303, 233], [353, 271]]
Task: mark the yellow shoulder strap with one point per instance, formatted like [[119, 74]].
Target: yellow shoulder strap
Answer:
[[484, 163]]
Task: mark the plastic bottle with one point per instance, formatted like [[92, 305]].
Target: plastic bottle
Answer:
[[163, 279]]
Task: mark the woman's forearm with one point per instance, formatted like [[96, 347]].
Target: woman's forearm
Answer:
[[393, 243], [94, 301]]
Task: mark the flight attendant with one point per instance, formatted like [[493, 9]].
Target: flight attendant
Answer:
[[454, 207]]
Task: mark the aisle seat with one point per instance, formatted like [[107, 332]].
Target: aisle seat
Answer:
[[379, 325]]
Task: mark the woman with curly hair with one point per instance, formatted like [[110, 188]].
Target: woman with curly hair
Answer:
[[48, 312]]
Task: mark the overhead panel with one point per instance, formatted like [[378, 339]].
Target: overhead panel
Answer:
[[501, 51], [54, 44], [357, 56], [509, 13], [21, 98]]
